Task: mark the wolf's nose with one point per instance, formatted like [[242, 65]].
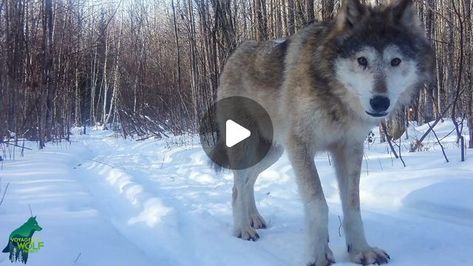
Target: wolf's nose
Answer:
[[379, 103]]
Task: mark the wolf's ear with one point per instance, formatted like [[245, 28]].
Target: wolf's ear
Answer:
[[350, 13], [403, 11]]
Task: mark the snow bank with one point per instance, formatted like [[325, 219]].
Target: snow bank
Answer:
[[103, 200]]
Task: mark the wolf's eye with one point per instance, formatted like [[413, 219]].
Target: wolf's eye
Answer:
[[362, 61], [395, 62]]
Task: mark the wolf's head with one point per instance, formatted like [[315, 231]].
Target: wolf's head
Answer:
[[33, 224], [381, 56]]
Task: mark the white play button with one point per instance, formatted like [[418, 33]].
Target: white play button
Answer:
[[234, 133]]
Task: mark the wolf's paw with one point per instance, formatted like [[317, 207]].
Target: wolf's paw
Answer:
[[370, 255], [257, 222], [246, 233], [323, 257]]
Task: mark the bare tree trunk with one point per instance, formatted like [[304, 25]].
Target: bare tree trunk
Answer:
[[291, 9], [115, 81], [105, 82], [178, 50], [278, 23], [284, 14], [193, 61], [450, 78], [93, 88], [77, 111], [47, 94], [469, 70], [310, 10], [261, 19], [428, 110], [397, 124], [327, 9]]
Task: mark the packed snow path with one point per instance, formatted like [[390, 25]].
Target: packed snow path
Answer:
[[102, 200]]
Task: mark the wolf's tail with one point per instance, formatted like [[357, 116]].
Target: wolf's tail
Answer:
[[7, 248], [217, 151]]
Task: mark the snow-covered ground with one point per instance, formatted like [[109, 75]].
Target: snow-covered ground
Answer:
[[103, 200]]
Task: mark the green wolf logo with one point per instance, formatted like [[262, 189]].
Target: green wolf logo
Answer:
[[21, 243]]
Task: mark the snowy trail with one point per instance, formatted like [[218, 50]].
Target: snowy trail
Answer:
[[72, 225], [122, 202]]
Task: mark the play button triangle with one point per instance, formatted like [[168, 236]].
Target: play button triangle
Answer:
[[235, 133]]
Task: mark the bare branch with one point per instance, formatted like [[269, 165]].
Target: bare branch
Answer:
[[440, 143], [4, 193]]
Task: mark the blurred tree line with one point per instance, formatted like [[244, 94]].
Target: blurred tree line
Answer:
[[151, 67]]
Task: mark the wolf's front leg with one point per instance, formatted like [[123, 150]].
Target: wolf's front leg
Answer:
[[317, 251], [348, 159], [245, 214]]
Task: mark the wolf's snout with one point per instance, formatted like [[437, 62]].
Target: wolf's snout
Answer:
[[380, 104]]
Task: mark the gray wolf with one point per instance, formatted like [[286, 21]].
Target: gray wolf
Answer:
[[325, 87]]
